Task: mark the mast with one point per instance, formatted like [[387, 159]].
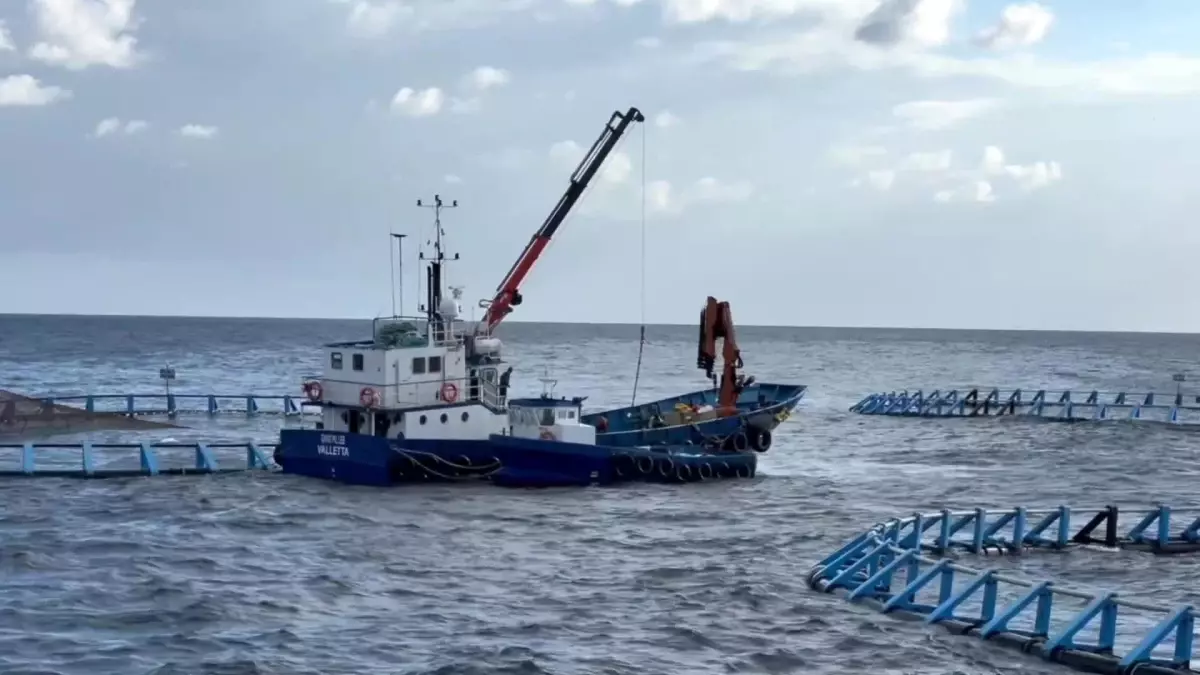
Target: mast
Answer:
[[508, 294], [433, 274]]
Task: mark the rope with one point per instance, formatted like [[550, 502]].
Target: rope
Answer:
[[642, 338]]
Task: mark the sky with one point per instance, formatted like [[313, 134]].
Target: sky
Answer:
[[907, 163]]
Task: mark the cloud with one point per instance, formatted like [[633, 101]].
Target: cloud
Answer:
[[1029, 176], [934, 115], [1020, 25], [663, 198], [414, 103], [665, 119], [113, 125], [27, 90], [935, 170], [77, 34], [742, 11], [615, 170], [916, 22], [927, 161], [452, 179], [826, 48], [487, 77], [197, 131], [372, 19], [855, 155], [6, 43], [881, 179]]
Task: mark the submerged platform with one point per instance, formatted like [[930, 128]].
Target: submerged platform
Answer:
[[1061, 405], [120, 460], [899, 567]]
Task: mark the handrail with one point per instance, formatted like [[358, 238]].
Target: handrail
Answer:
[[488, 391], [869, 566]]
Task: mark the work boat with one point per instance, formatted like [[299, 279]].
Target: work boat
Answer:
[[425, 398]]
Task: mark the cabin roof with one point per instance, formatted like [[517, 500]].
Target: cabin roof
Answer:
[[541, 402]]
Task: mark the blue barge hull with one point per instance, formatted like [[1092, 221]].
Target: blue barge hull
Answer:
[[503, 460], [760, 409]]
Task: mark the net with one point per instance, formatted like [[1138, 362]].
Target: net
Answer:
[[24, 417]]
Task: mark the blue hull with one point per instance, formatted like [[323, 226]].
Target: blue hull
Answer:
[[761, 408], [503, 460]]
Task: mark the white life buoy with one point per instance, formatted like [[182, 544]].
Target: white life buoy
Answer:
[[368, 397]]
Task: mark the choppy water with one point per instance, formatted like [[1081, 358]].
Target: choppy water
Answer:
[[274, 574]]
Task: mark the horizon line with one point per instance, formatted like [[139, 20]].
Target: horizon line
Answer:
[[605, 323]]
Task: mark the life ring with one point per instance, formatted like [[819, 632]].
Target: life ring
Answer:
[[645, 465], [666, 467], [449, 392], [602, 424], [312, 390], [683, 473], [547, 435], [706, 471], [368, 397], [760, 440]]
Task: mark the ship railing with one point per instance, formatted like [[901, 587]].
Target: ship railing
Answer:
[[418, 394], [453, 338]]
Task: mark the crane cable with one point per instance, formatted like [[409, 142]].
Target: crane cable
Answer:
[[642, 339]]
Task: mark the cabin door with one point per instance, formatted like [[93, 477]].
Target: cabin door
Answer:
[[355, 421]]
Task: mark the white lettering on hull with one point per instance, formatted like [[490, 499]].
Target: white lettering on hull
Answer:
[[333, 445]]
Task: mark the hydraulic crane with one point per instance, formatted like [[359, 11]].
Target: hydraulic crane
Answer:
[[508, 293], [716, 321]]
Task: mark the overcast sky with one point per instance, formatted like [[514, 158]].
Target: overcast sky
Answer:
[[925, 163]]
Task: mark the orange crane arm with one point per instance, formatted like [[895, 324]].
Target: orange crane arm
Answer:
[[716, 322]]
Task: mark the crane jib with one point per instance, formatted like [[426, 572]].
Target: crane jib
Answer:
[[507, 292]]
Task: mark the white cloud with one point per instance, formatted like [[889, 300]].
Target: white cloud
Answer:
[[927, 161], [934, 115], [487, 77], [881, 179], [856, 155], [741, 11], [76, 34], [452, 179], [616, 169], [112, 125], [1020, 25], [665, 119], [923, 23], [197, 131], [827, 48], [371, 19], [1032, 176], [6, 43], [423, 103], [661, 196], [27, 90]]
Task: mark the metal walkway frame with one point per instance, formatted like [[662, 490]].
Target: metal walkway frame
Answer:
[[901, 566]]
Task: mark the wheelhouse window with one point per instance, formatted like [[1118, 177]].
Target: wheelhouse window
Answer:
[[435, 364], [418, 365], [547, 417], [335, 360], [356, 361]]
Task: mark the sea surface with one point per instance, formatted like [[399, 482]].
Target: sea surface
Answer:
[[265, 573]]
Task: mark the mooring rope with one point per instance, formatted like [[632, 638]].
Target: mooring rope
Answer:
[[637, 373]]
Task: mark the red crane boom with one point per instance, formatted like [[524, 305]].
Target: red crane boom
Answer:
[[508, 294]]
